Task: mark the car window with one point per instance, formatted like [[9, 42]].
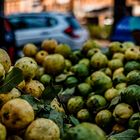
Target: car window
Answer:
[[51, 22], [32, 22], [73, 22], [15, 23]]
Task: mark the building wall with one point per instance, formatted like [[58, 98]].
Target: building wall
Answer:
[[18, 6], [14, 6]]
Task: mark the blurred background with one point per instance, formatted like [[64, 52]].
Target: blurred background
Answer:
[[103, 20]]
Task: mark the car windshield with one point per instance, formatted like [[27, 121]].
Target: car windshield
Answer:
[[73, 23]]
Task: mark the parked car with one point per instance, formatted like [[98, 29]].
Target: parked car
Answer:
[[35, 27], [8, 39], [127, 29]]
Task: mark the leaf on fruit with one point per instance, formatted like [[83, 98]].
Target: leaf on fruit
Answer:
[[57, 117], [129, 134], [74, 120], [66, 94], [12, 79], [51, 92], [115, 101]]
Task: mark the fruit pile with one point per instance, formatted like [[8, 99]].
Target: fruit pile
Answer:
[[55, 93]]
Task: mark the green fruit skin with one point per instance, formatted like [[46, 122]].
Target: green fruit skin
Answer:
[[111, 93], [83, 115], [80, 70], [75, 104], [134, 121], [99, 60], [84, 89], [115, 64], [54, 64], [101, 81], [28, 66], [3, 132], [96, 102], [2, 72], [85, 131], [45, 79], [122, 112], [71, 81], [103, 118]]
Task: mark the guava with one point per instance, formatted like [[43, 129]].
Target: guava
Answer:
[[64, 50], [118, 128], [2, 72], [131, 94], [115, 47], [80, 70], [96, 102], [75, 56], [100, 81], [83, 115], [71, 81], [122, 112], [107, 71], [40, 71], [85, 131], [28, 66], [42, 129], [54, 64], [30, 50], [133, 77], [134, 121], [17, 114], [85, 61], [131, 65], [127, 45], [115, 64], [68, 64], [118, 78], [40, 56], [121, 86], [4, 97], [3, 132], [118, 71], [99, 60], [92, 51], [45, 79], [131, 54], [5, 60], [118, 56], [34, 88], [89, 44], [49, 45], [75, 104], [88, 80], [84, 89], [103, 118], [111, 93]]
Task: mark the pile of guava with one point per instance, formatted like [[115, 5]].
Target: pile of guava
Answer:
[[56, 93]]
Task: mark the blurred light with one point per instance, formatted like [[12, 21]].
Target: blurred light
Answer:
[[62, 1], [108, 21]]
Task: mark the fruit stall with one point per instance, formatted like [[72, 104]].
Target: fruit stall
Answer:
[[54, 93]]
